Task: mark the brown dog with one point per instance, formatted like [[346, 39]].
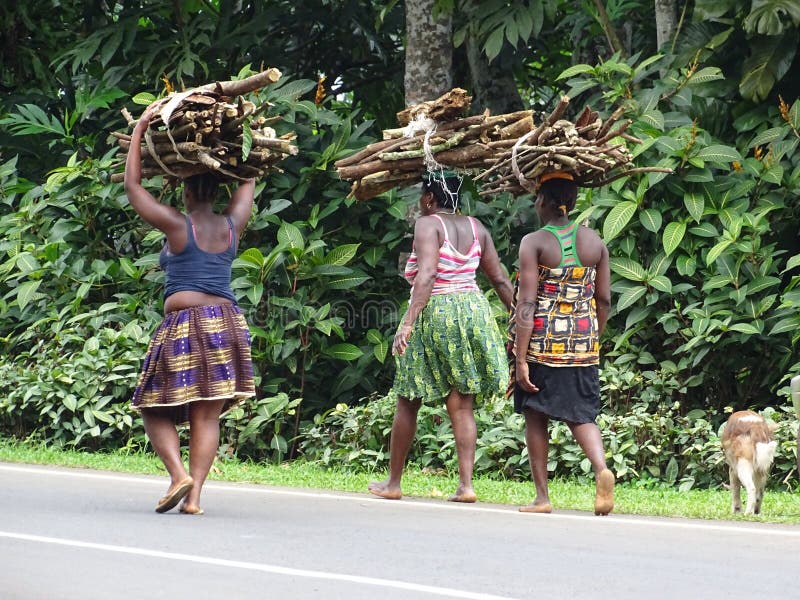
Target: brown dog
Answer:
[[749, 450]]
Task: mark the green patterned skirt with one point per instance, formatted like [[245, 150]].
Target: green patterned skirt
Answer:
[[455, 343]]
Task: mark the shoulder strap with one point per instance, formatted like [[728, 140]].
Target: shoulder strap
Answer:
[[567, 240], [191, 233], [441, 220], [231, 238], [474, 228]]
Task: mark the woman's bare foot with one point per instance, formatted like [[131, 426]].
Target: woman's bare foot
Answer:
[[191, 509], [385, 490], [537, 507], [604, 495], [464, 494]]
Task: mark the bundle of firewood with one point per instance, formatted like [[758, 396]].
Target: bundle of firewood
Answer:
[[591, 150], [213, 128], [432, 134]]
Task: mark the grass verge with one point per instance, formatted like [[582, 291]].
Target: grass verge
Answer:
[[778, 507]]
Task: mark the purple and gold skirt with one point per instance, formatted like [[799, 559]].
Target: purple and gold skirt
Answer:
[[198, 353]]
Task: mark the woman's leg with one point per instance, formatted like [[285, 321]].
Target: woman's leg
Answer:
[[590, 440], [462, 417], [159, 426], [404, 427], [203, 444], [538, 442]]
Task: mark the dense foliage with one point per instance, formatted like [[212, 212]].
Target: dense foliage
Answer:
[[705, 262]]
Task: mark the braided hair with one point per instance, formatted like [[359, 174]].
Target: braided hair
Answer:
[[559, 194], [444, 187], [204, 186]]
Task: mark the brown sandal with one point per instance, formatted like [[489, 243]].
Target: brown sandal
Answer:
[[172, 498]]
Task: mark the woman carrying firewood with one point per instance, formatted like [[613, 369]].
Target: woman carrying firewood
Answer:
[[448, 345], [198, 363], [562, 307]]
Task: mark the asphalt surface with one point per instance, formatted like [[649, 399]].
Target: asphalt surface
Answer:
[[75, 534]]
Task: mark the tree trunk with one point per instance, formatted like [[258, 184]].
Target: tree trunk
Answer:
[[493, 84], [429, 52], [666, 20]]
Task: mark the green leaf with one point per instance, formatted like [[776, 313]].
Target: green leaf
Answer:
[[769, 136], [660, 264], [786, 325], [686, 265], [719, 154], [769, 60], [380, 351], [716, 282], [671, 472], [654, 118], [26, 292], [695, 204], [144, 98], [617, 219], [289, 235], [630, 296], [706, 230], [341, 255], [252, 256], [705, 75], [762, 283], [347, 281], [792, 263], [673, 235], [70, 402], [774, 174], [247, 140], [575, 70], [744, 328], [650, 219], [494, 43], [716, 251], [343, 351], [627, 268], [661, 283]]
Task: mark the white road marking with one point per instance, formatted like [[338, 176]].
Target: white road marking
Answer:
[[250, 566], [767, 529]]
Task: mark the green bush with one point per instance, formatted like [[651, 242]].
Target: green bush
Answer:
[[643, 446]]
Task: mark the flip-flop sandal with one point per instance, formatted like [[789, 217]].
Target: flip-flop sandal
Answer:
[[169, 501]]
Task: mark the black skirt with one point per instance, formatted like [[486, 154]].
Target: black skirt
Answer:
[[565, 393]]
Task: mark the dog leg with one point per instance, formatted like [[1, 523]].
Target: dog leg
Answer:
[[760, 481], [736, 496], [744, 470]]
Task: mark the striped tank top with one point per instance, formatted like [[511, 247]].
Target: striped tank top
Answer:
[[455, 272]]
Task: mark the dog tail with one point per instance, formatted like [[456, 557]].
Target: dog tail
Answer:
[[765, 453]]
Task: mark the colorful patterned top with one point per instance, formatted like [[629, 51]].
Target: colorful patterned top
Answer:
[[565, 331], [455, 272]]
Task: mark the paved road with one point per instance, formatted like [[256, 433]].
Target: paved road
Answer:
[[73, 534]]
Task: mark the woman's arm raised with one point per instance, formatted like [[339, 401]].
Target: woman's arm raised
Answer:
[[160, 216]]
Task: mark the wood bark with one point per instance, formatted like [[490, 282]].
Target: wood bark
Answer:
[[429, 52], [666, 21]]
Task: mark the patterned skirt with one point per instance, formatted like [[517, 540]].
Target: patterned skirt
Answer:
[[455, 343], [198, 353]]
